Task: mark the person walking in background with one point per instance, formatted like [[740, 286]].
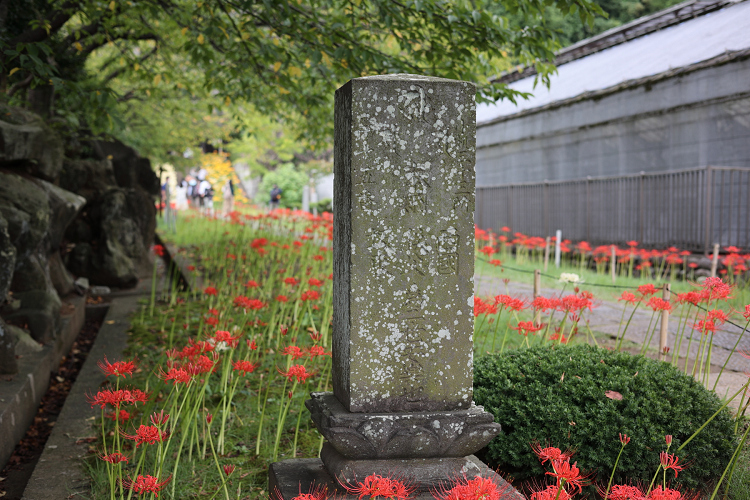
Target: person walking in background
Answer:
[[227, 192], [275, 196]]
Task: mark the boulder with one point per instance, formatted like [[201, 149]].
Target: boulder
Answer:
[[32, 273], [60, 277], [7, 259], [8, 364], [29, 144], [24, 205], [131, 171], [25, 345], [88, 178], [121, 223], [40, 311], [64, 206]]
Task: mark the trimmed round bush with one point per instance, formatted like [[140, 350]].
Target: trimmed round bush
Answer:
[[558, 396]]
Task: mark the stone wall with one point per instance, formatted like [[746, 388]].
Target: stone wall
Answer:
[[63, 216]]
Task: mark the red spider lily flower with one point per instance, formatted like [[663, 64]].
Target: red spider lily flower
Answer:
[[252, 284], [314, 282], [544, 304], [316, 351], [310, 295], [717, 316], [746, 314], [119, 416], [176, 375], [377, 486], [551, 492], [647, 289], [146, 434], [224, 336], [146, 484], [669, 461], [631, 243], [316, 493], [480, 307], [213, 312], [244, 367], [159, 418], [515, 305], [191, 268], [258, 243], [248, 303], [629, 297], [212, 321], [526, 327], [668, 439], [228, 469], [479, 488], [297, 371], [291, 280], [114, 458], [118, 368], [624, 439], [209, 290], [209, 418], [159, 250], [251, 344], [624, 492], [568, 475], [201, 365], [496, 262], [283, 329], [487, 250], [717, 289], [556, 336], [550, 453], [293, 351], [695, 297], [138, 396], [705, 326], [117, 398], [281, 298], [318, 257], [658, 304]]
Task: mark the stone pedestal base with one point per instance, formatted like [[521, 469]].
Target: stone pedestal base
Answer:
[[289, 478]]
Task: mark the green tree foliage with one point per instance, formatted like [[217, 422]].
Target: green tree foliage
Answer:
[[290, 180], [157, 65], [570, 29]]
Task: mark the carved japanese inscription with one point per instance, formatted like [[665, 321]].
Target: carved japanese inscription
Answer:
[[403, 231]]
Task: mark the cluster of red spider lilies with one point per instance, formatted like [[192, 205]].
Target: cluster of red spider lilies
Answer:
[[648, 262]]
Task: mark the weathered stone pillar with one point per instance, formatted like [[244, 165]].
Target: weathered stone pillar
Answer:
[[403, 290]]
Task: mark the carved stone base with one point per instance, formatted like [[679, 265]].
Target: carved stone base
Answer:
[[289, 478], [431, 434], [424, 473]]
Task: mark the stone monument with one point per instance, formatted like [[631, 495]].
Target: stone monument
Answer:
[[404, 155]]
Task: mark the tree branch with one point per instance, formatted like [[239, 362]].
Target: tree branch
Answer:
[[119, 71], [20, 85], [59, 18]]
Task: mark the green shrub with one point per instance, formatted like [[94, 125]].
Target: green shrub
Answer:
[[556, 395]]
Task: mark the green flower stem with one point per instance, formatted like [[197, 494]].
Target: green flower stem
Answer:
[[611, 476], [713, 416], [619, 343], [730, 466], [730, 354]]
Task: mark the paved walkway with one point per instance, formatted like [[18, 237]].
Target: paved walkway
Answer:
[[606, 316]]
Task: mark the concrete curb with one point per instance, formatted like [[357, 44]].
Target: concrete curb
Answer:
[[20, 396], [60, 471]]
